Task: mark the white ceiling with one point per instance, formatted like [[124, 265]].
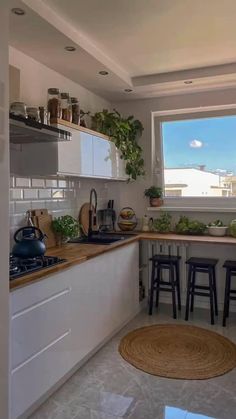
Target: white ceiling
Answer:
[[151, 46]]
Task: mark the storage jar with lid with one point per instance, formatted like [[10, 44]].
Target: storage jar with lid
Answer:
[[75, 111], [33, 113], [54, 103], [66, 107]]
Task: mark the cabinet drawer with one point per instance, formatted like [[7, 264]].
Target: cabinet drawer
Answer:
[[25, 297], [34, 378], [33, 328]]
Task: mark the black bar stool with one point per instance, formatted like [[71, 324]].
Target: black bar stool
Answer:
[[159, 264], [230, 266], [207, 266]]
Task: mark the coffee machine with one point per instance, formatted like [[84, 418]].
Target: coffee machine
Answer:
[[107, 218]]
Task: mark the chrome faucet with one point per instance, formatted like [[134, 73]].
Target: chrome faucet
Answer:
[[92, 211]]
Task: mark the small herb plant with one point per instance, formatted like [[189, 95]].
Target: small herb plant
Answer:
[[163, 223], [187, 226], [66, 227], [216, 223], [124, 132], [154, 192]]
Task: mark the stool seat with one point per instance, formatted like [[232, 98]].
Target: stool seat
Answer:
[[231, 264], [202, 262], [165, 258]]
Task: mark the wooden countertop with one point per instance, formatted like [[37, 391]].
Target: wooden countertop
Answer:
[[79, 253]]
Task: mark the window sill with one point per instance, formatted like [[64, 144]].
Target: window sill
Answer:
[[191, 209]]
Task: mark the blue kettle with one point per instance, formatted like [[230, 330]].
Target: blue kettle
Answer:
[[28, 244]]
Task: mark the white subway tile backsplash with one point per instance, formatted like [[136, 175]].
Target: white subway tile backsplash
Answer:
[[12, 207], [21, 182], [45, 193], [51, 183], [57, 193], [63, 184], [30, 194], [12, 181], [37, 183], [38, 204], [22, 206], [16, 194]]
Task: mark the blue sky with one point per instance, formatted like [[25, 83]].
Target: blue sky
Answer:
[[209, 141]]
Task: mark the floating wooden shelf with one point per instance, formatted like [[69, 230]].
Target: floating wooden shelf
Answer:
[[78, 128]]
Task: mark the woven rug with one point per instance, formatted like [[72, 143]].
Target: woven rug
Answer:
[[176, 351]]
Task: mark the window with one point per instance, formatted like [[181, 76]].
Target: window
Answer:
[[199, 156]]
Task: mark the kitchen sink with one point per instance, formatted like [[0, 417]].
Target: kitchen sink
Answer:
[[101, 238]]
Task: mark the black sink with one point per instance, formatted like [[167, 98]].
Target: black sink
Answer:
[[101, 238]]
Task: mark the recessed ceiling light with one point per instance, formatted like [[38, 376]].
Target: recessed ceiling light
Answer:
[[70, 48], [103, 72], [128, 90], [188, 82], [17, 11]]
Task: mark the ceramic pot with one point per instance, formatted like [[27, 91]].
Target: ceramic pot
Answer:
[[156, 202]]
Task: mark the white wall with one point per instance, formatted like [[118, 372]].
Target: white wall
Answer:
[[132, 194], [4, 202], [36, 78], [28, 193]]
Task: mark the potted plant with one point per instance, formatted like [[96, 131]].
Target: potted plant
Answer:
[[163, 223], [65, 227], [217, 228], [155, 195], [124, 132]]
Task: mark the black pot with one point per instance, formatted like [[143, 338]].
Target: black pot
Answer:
[[29, 245]]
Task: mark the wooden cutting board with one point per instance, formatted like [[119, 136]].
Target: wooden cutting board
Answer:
[[84, 218], [43, 221]]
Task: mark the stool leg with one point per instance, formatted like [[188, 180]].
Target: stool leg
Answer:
[[228, 294], [192, 289], [178, 285], [188, 292], [158, 278], [172, 281], [226, 297], [152, 288], [211, 295], [215, 290]]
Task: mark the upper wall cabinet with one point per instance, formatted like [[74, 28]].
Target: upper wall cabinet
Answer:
[[87, 154]]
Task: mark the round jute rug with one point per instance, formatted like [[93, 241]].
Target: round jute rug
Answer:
[[179, 351]]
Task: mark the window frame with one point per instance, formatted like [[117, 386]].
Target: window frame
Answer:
[[221, 204]]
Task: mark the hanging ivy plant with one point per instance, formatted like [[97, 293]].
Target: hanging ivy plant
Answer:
[[124, 132]]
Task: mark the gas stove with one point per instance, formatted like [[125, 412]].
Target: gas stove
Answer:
[[20, 267]]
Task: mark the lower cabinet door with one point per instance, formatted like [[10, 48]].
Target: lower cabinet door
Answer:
[[40, 339], [35, 377], [104, 297]]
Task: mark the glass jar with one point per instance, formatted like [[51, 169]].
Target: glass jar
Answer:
[[33, 113], [66, 107], [54, 103], [18, 109], [75, 111], [44, 115]]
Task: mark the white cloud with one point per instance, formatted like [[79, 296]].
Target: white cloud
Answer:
[[196, 144]]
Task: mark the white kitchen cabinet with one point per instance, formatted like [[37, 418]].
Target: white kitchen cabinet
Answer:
[[104, 297], [40, 339], [76, 156], [85, 155], [59, 321]]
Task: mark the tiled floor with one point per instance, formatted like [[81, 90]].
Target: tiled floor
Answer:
[[109, 388]]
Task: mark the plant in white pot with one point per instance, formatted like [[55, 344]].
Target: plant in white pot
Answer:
[[155, 195], [217, 228]]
